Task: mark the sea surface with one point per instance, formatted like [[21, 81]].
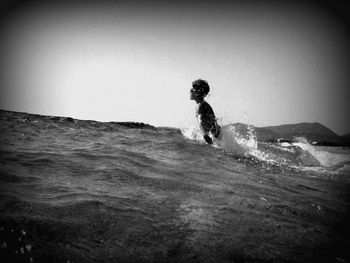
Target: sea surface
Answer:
[[87, 191]]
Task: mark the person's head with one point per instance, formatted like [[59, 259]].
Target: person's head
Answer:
[[200, 89]]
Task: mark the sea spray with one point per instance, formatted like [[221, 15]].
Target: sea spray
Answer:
[[238, 138], [327, 156], [192, 133], [241, 139], [234, 138]]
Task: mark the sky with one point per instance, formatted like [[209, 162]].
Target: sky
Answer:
[[267, 62]]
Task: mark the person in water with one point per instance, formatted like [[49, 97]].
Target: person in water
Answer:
[[204, 113]]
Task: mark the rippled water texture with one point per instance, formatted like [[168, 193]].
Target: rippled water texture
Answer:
[[86, 191]]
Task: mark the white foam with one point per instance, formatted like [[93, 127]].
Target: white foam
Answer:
[[235, 141], [241, 139], [326, 158], [192, 133]]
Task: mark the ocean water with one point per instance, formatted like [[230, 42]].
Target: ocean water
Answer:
[[87, 191]]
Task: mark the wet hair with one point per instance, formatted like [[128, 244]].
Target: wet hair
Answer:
[[202, 86]]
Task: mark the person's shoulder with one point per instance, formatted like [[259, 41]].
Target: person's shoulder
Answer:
[[204, 107], [203, 104]]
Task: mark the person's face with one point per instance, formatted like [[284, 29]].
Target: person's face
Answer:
[[195, 94]]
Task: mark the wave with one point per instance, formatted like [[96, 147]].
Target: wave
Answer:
[[75, 190], [238, 139], [241, 139], [22, 117]]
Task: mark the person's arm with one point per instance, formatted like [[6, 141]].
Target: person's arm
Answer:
[[205, 132], [207, 139]]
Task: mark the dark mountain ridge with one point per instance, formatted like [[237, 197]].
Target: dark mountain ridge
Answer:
[[302, 128], [315, 133]]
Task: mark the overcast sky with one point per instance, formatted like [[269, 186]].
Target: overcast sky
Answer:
[[267, 62]]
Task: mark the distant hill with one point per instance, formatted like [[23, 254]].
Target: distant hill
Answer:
[[313, 132], [302, 129], [266, 135]]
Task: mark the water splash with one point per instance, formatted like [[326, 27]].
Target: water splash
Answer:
[[192, 133], [238, 138], [327, 156]]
